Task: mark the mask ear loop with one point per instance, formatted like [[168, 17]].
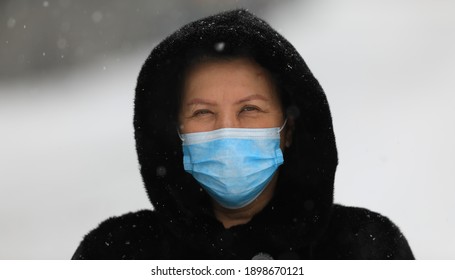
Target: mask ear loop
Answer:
[[180, 135], [284, 124], [287, 144]]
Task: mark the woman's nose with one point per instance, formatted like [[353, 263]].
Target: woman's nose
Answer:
[[227, 120]]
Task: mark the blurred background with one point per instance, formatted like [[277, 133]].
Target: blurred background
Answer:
[[67, 76]]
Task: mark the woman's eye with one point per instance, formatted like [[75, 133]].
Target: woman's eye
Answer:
[[250, 109], [201, 112]]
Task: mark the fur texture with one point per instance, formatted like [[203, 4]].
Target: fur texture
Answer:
[[301, 221]]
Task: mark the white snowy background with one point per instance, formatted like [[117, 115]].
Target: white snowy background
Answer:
[[67, 156]]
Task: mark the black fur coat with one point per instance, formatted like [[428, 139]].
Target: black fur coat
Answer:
[[300, 222]]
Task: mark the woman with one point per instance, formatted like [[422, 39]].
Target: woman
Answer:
[[237, 153]]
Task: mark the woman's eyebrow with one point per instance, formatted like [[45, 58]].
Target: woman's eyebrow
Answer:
[[197, 101], [252, 97]]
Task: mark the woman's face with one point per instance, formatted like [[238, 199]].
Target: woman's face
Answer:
[[229, 94]]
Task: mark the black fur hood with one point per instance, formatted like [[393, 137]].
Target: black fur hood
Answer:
[[300, 221]]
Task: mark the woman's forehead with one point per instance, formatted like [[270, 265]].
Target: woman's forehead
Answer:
[[240, 78]]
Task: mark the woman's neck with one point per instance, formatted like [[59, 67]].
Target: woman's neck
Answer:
[[233, 217]]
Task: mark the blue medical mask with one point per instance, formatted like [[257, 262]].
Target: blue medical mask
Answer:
[[234, 165]]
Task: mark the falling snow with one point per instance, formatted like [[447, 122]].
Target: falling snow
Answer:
[[219, 47], [97, 17], [11, 23]]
